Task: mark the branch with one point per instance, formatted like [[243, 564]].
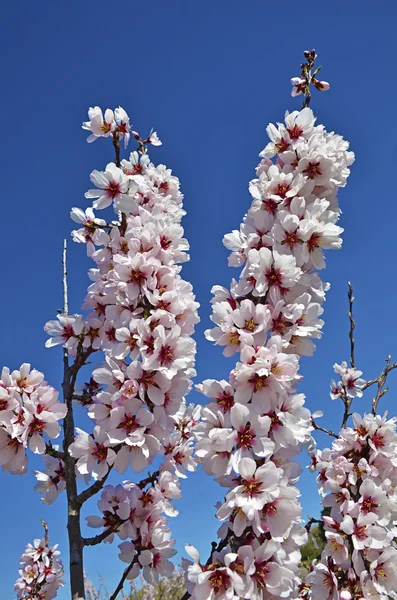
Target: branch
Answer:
[[346, 414], [310, 523], [386, 371], [150, 479], [327, 431], [46, 537], [65, 283], [124, 577], [52, 452], [93, 489], [116, 146], [381, 382], [65, 303], [97, 539], [352, 324], [345, 398]]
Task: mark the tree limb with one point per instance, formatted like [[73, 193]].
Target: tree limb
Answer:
[[52, 452], [97, 539]]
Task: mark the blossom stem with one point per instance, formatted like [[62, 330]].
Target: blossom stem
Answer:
[[327, 431], [93, 489], [124, 577], [116, 146], [352, 325], [97, 539]]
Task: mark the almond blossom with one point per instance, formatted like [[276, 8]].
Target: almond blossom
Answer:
[[41, 574]]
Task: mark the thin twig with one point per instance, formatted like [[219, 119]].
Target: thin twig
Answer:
[[65, 282], [381, 382], [97, 539], [46, 536], [352, 324], [117, 162], [52, 452], [93, 489], [311, 521], [346, 414], [149, 479], [124, 577], [327, 431], [386, 371]]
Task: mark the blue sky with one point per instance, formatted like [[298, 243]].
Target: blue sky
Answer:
[[209, 76]]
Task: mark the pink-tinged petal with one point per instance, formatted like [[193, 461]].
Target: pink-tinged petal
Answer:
[[247, 467], [36, 444]]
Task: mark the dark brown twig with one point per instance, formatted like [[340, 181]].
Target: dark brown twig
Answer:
[[52, 452], [327, 431], [93, 489], [124, 577], [97, 539], [116, 146], [352, 324], [152, 479], [311, 521]]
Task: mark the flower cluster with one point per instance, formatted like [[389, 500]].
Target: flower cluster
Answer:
[[255, 422], [357, 480], [136, 516], [29, 411], [300, 85], [42, 572], [350, 383]]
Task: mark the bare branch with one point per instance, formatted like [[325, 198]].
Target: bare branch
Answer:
[[65, 282], [124, 577], [385, 372], [381, 382], [46, 537], [327, 431], [352, 324]]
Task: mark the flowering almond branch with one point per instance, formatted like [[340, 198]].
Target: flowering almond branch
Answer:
[[141, 314], [255, 422], [357, 480]]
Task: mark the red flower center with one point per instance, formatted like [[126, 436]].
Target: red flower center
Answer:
[[113, 189]]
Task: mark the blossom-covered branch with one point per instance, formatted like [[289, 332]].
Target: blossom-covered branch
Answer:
[[357, 479], [255, 422], [141, 314]]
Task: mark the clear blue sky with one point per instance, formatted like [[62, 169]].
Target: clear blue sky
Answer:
[[209, 76]]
